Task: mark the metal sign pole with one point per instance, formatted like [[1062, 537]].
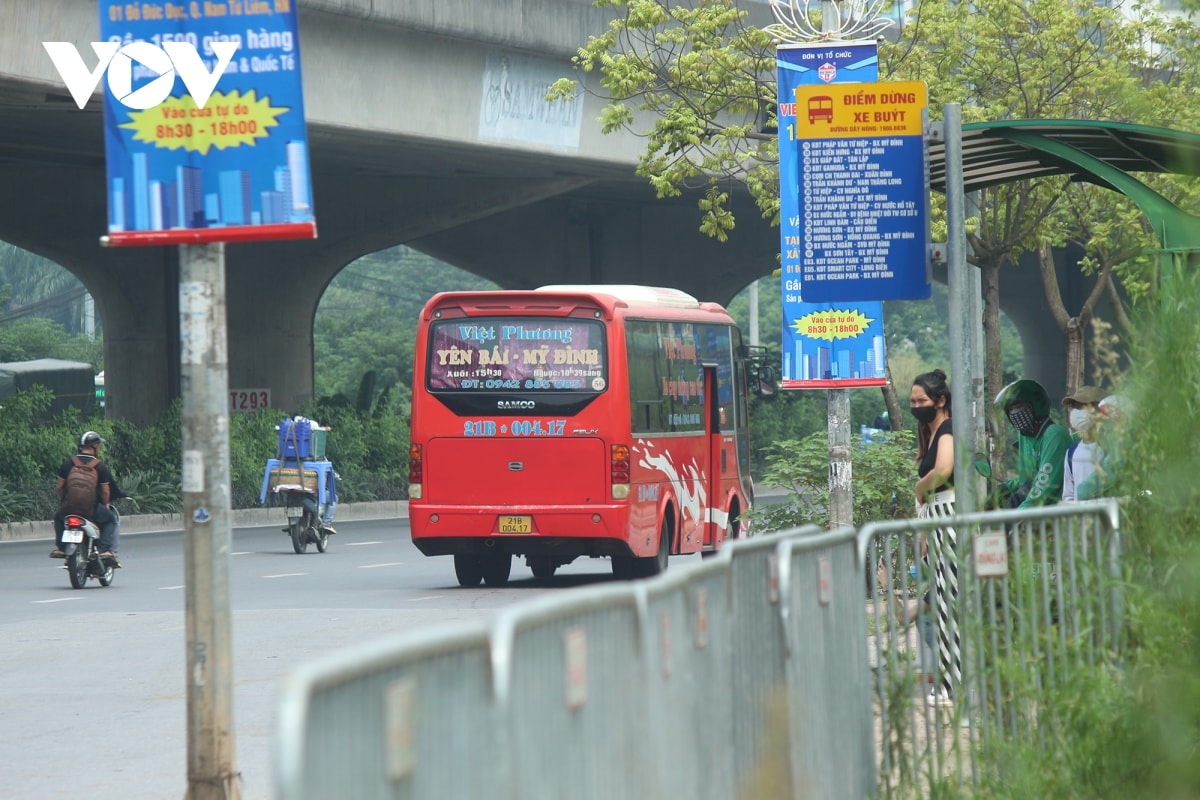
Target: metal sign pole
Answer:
[[204, 383], [962, 361], [841, 492]]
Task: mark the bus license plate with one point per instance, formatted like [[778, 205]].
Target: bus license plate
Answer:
[[515, 524], [72, 536]]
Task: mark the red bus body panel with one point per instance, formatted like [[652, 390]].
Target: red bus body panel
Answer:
[[564, 482]]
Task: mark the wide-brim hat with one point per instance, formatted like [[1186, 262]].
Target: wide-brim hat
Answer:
[[1085, 395]]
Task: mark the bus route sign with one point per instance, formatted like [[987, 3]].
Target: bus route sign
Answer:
[[864, 191]]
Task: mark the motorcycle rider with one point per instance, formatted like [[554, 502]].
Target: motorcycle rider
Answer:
[[1042, 444], [102, 515]]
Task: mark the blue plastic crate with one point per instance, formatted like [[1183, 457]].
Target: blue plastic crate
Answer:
[[300, 439]]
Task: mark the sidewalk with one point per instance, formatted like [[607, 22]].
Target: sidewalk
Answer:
[[240, 518]]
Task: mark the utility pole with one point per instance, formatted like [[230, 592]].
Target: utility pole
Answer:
[[89, 316], [204, 382], [841, 492], [754, 313], [965, 312]]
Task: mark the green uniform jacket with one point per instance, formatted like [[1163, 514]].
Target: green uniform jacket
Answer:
[[1040, 462]]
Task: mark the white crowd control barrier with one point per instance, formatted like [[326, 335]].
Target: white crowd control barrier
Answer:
[[1011, 622], [775, 669], [711, 681]]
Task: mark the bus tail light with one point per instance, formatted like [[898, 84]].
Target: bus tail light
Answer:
[[416, 472], [620, 471]]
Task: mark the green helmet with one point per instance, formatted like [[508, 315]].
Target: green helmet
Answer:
[[1025, 391]]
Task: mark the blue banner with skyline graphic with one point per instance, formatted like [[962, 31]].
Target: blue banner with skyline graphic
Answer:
[[205, 136], [825, 345]]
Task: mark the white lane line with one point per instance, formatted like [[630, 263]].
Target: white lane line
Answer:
[[389, 564], [419, 599], [170, 588], [286, 575], [243, 553], [57, 600], [360, 544]]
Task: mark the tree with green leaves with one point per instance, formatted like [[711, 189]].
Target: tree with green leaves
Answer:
[[32, 286], [1036, 59], [699, 84]]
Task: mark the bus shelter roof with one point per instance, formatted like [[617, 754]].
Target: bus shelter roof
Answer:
[[1000, 152]]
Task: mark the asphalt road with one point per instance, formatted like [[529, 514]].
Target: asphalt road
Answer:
[[92, 696]]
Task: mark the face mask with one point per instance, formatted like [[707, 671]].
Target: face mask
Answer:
[[1079, 418], [924, 414], [1023, 420]]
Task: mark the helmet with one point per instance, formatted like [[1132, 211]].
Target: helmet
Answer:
[[90, 439], [1025, 391]]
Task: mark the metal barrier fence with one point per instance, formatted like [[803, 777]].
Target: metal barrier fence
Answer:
[[752, 674], [743, 676], [1008, 611]]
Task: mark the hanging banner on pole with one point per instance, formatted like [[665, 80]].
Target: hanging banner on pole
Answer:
[[205, 137], [825, 345]]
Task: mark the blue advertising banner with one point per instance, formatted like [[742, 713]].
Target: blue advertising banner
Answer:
[[825, 346], [204, 127], [864, 191]]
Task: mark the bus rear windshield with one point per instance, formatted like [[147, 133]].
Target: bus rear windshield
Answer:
[[516, 354]]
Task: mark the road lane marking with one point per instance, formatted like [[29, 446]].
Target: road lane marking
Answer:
[[419, 599], [389, 564], [243, 553], [360, 544], [170, 588], [286, 575], [56, 600]]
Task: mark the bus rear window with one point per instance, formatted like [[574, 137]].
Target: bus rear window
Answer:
[[516, 354]]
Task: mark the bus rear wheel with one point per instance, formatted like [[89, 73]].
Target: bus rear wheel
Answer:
[[543, 567], [657, 563], [468, 570], [496, 568]]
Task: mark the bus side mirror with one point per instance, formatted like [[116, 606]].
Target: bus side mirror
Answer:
[[766, 381]]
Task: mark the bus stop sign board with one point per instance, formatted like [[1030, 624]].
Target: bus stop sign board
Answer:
[[864, 191]]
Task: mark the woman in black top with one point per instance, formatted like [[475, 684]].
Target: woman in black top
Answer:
[[929, 402]]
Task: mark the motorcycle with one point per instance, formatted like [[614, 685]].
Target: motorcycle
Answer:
[[81, 544], [304, 522]]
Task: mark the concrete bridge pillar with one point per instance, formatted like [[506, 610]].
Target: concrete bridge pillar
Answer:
[[59, 212], [273, 288]]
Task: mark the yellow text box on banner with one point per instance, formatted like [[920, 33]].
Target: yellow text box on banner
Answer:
[[847, 110]]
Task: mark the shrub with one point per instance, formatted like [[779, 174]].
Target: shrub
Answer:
[[883, 474], [369, 448]]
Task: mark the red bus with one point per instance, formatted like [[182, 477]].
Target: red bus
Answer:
[[574, 421]]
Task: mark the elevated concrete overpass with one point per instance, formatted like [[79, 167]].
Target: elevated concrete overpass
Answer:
[[426, 128]]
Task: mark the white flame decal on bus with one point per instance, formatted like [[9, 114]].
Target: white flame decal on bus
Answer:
[[689, 488]]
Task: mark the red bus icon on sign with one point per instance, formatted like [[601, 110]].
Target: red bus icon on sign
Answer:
[[827, 72], [820, 107]]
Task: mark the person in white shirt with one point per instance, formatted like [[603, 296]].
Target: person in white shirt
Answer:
[[1083, 454]]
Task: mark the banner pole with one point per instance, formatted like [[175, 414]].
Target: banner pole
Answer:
[[204, 381]]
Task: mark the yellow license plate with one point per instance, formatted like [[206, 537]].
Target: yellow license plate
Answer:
[[515, 524]]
